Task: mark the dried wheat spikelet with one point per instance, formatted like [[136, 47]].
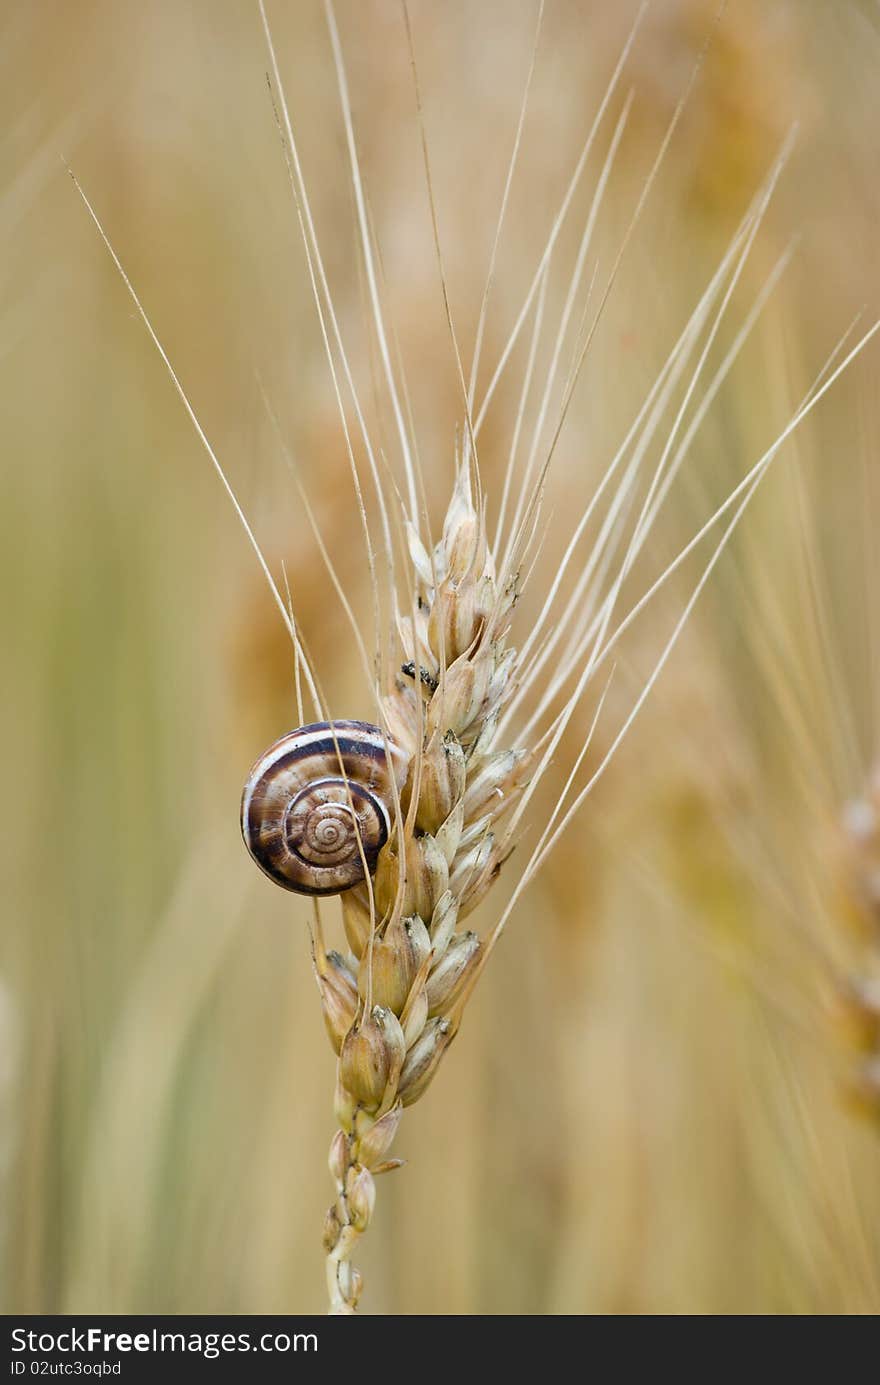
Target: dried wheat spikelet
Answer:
[[860, 993], [392, 1006], [393, 1018], [411, 819]]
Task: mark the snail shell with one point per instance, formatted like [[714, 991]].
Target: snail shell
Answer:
[[311, 795]]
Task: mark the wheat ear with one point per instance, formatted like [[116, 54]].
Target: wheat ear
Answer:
[[393, 1018]]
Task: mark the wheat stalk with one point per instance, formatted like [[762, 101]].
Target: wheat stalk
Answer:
[[393, 1020]]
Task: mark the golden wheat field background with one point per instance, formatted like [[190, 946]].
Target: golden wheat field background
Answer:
[[657, 1103]]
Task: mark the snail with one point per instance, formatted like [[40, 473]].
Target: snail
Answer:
[[309, 798]]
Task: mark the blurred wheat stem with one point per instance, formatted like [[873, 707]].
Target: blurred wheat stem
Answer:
[[477, 720]]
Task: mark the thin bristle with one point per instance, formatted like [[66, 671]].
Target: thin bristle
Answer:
[[369, 263]]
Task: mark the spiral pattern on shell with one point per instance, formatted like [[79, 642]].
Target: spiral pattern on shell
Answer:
[[320, 802]]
